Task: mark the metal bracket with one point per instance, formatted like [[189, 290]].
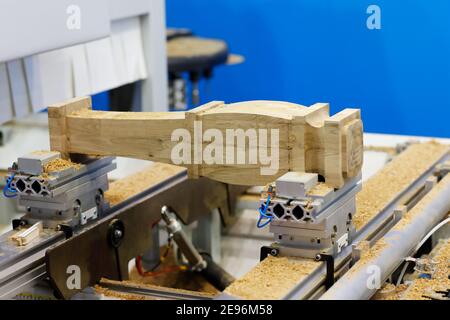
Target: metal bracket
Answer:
[[68, 230], [116, 233], [329, 260], [266, 250], [16, 223]]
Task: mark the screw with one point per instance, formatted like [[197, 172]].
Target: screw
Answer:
[[165, 211], [99, 198], [274, 252], [118, 234]]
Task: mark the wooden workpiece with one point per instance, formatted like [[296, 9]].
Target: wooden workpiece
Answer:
[[309, 139]]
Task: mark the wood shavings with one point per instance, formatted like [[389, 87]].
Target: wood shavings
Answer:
[[60, 165], [439, 282], [374, 251], [390, 292], [272, 278], [124, 189], [408, 216], [175, 290], [138, 285], [119, 295], [178, 280], [420, 288], [367, 255], [320, 189], [379, 190], [27, 235]]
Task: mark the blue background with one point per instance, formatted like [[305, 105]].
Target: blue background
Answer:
[[321, 51]]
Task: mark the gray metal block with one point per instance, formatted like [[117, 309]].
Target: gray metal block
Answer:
[[33, 163], [295, 184], [305, 226], [71, 197]]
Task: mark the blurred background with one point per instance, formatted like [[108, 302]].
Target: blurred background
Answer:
[[322, 51]]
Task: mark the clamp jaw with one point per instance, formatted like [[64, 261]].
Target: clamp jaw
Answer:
[[309, 218], [68, 195]]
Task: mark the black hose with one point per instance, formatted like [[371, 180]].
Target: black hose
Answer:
[[215, 274]]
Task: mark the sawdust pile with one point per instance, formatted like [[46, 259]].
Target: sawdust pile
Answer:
[[60, 165], [379, 190], [418, 209], [176, 279], [101, 288], [124, 189], [320, 189], [119, 295], [373, 252], [390, 292], [272, 278], [368, 254], [420, 289], [134, 284]]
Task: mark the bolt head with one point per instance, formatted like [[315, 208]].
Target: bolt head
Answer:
[[118, 234]]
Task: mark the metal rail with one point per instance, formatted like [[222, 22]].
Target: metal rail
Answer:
[[399, 243], [161, 293], [18, 266]]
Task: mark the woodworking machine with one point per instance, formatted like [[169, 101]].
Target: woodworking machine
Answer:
[[71, 196], [67, 212], [70, 226]]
